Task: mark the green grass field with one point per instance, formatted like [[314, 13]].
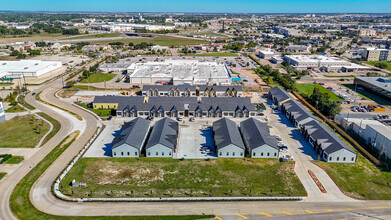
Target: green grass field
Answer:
[[98, 77], [373, 63], [92, 88], [56, 127], [165, 177], [159, 40], [307, 89], [222, 54], [20, 132], [105, 35], [2, 175], [25, 104], [14, 160], [15, 108], [23, 208], [361, 180]]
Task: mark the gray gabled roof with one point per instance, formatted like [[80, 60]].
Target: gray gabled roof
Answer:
[[297, 110], [133, 133], [221, 88], [225, 133], [164, 132], [329, 142], [256, 134], [166, 88], [279, 93]]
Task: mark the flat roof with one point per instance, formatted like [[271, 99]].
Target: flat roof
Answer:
[[179, 70], [315, 58], [379, 82], [25, 66]]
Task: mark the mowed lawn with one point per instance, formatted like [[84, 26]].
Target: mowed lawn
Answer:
[[222, 54], [159, 40], [165, 177], [98, 77], [307, 89], [373, 63], [361, 180], [104, 35], [21, 132]]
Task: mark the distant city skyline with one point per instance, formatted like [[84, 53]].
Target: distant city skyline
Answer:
[[203, 6]]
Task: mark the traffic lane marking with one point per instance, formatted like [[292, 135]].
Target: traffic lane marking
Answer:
[[242, 216], [308, 211], [263, 213], [288, 213], [218, 218]]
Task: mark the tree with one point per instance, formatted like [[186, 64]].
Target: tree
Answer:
[[381, 65], [215, 49]]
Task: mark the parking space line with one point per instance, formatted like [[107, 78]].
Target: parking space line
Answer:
[[308, 211], [242, 216], [330, 210], [218, 218], [288, 213], [263, 213]]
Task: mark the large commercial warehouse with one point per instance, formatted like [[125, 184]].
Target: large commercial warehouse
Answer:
[[326, 143], [29, 68], [377, 85], [323, 63], [179, 72]]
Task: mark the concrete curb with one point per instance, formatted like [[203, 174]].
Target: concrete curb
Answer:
[[47, 133]]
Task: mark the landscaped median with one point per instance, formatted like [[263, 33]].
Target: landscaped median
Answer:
[[166, 178], [38, 98]]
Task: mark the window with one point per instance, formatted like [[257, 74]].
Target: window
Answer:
[[268, 154], [227, 153], [135, 153], [169, 153], [241, 153], [157, 153], [115, 153], [122, 153], [233, 153], [352, 158], [220, 154], [128, 153], [262, 154], [344, 158], [141, 113], [330, 158], [337, 158], [253, 154], [162, 153], [275, 154], [149, 153]]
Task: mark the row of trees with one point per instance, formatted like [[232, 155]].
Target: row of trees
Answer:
[[322, 102]]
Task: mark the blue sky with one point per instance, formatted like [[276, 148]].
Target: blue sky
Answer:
[[240, 6]]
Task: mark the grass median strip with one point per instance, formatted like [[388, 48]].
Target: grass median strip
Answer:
[[25, 104], [166, 177], [25, 210], [38, 98], [56, 126]]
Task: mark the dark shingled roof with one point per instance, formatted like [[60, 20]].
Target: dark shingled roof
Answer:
[[279, 93], [221, 88], [256, 134], [297, 110], [226, 132], [168, 87], [133, 133], [329, 141], [164, 132], [167, 103]]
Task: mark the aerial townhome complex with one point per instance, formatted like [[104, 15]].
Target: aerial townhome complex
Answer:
[[192, 91], [326, 143]]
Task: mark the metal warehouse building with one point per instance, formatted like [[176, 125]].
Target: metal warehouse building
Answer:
[[163, 139], [131, 141], [378, 85], [326, 143], [257, 139], [29, 68], [228, 141], [179, 72]]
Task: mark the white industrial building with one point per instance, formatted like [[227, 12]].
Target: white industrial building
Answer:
[[323, 63], [179, 72], [112, 27], [28, 68]]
